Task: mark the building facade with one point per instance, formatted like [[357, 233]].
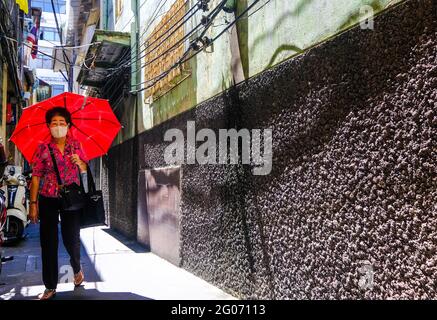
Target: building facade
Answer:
[[17, 79], [347, 89], [52, 82]]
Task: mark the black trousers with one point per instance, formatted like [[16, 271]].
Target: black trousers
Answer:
[[49, 211]]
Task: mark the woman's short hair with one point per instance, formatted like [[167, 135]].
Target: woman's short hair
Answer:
[[58, 111]]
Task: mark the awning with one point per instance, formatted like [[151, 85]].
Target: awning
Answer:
[[24, 5], [42, 82], [109, 52]]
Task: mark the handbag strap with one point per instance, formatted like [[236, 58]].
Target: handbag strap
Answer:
[[91, 184], [58, 176]]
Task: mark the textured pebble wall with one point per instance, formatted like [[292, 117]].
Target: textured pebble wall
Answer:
[[354, 176], [354, 171]]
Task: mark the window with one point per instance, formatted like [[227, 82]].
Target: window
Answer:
[[118, 8], [43, 62], [57, 89], [46, 5], [50, 34]]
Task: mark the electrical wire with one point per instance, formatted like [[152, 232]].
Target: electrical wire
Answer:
[[184, 60], [185, 18], [5, 8], [226, 22], [176, 45], [171, 27], [8, 38], [144, 2], [59, 31], [154, 16], [126, 64], [55, 46], [257, 9], [66, 59], [209, 19], [46, 54], [184, 57], [10, 53], [39, 51], [77, 47]]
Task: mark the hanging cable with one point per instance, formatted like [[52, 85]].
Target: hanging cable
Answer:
[[45, 54], [154, 16], [184, 60], [66, 59], [144, 2], [39, 51], [200, 5], [77, 47], [172, 26], [124, 60], [177, 44], [206, 22]]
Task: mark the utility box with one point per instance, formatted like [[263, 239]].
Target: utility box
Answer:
[[159, 212]]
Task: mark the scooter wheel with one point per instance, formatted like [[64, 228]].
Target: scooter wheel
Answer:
[[15, 229]]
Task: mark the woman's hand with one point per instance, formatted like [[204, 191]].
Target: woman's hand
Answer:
[[33, 212], [33, 209], [77, 161]]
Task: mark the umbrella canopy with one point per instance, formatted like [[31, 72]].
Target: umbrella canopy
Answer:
[[93, 124]]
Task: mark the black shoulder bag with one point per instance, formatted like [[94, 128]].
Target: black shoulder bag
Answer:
[[72, 196]]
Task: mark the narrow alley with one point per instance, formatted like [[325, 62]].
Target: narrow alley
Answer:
[[236, 150], [115, 269]]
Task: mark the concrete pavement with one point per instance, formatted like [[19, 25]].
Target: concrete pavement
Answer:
[[115, 269]]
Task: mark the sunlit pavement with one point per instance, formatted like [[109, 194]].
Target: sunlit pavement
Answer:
[[115, 269]]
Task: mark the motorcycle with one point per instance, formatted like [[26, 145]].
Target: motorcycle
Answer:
[[3, 214], [3, 217], [3, 207], [16, 192]]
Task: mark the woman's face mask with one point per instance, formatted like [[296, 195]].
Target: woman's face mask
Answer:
[[59, 131]]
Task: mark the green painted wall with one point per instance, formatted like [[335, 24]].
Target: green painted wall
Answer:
[[279, 30], [283, 29]]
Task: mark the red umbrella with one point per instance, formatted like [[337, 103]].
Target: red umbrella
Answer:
[[93, 124]]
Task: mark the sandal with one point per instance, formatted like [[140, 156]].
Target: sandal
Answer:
[[47, 294], [78, 278]]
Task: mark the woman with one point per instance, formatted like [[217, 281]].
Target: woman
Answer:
[[45, 202]]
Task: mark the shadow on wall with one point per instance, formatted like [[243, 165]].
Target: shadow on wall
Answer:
[[293, 49], [350, 85], [342, 114], [298, 8], [233, 104], [353, 18]]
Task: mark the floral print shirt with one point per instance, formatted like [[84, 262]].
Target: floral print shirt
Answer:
[[42, 166]]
